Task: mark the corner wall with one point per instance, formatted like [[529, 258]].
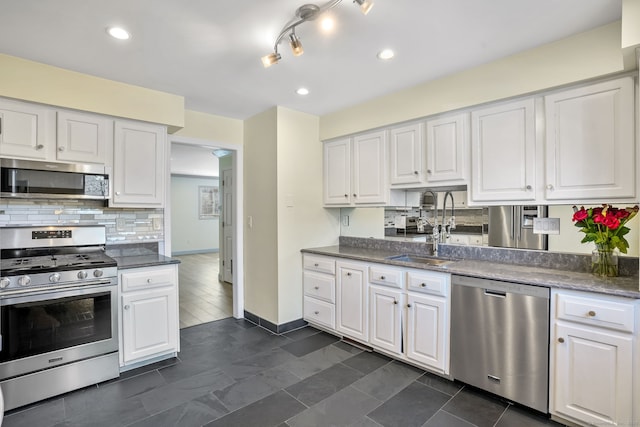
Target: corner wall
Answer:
[[302, 221], [260, 203]]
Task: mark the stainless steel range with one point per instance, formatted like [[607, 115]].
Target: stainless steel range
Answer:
[[58, 311]]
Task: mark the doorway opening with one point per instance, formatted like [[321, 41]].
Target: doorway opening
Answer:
[[202, 215]]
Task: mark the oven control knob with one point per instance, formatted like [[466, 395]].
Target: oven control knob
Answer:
[[24, 281], [82, 274], [97, 273], [4, 282], [54, 278]]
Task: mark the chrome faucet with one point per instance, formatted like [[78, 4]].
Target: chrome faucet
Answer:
[[447, 225], [434, 226]]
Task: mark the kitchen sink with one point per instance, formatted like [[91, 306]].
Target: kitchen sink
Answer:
[[419, 260]]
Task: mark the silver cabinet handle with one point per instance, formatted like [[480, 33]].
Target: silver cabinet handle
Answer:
[[349, 274], [428, 170], [117, 193], [395, 302], [549, 187], [126, 307], [346, 195], [381, 277], [316, 287], [528, 188], [148, 280], [39, 147], [592, 313], [316, 312], [61, 148], [422, 285], [408, 305], [355, 195], [560, 340], [415, 172]]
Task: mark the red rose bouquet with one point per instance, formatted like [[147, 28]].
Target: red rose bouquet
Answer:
[[605, 226]]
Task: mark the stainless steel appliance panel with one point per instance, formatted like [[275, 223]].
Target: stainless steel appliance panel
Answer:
[[512, 227], [500, 339]]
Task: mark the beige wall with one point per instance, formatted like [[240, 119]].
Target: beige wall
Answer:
[[302, 221], [211, 128], [570, 236], [588, 55], [36, 82], [260, 203]]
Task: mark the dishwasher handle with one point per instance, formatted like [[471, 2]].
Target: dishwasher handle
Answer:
[[493, 293]]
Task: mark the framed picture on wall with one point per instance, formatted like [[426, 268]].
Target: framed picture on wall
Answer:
[[208, 202]]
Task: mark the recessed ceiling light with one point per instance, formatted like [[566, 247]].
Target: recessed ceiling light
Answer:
[[118, 33], [385, 54], [302, 91]]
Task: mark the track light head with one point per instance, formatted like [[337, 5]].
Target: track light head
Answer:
[[296, 44], [365, 5], [270, 59]]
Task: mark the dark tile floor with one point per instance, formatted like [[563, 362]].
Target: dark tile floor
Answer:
[[233, 373]]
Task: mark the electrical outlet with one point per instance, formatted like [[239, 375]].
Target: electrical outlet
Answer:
[[157, 224], [121, 223], [345, 220]]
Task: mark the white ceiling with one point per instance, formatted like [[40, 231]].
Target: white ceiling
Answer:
[[193, 160], [209, 51]]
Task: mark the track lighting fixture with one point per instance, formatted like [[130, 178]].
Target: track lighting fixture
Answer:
[[306, 12]]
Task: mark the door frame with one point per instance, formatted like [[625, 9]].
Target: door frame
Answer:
[[238, 208]]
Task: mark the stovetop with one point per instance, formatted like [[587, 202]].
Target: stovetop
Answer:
[[49, 263]]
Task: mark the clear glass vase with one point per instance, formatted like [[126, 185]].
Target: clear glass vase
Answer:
[[604, 261]]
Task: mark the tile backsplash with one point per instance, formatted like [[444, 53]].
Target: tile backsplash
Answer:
[[122, 225]]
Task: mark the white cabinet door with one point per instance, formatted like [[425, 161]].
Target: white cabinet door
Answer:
[[405, 155], [385, 314], [427, 331], [446, 153], [26, 131], [369, 168], [351, 300], [83, 138], [337, 172], [590, 142], [139, 166], [149, 323], [592, 378], [503, 149]]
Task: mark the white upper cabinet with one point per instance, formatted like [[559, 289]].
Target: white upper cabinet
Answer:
[[355, 171], [503, 150], [590, 142], [446, 150], [369, 168], [26, 130], [83, 138], [139, 166], [337, 172], [405, 155]]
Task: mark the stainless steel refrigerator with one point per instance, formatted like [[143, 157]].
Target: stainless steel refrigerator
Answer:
[[512, 227]]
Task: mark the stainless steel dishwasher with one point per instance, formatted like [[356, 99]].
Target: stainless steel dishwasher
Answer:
[[500, 338]]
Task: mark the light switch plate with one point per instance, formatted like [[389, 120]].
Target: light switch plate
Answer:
[[546, 225], [157, 224]]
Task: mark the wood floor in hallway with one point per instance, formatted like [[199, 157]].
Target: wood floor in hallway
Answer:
[[202, 297]]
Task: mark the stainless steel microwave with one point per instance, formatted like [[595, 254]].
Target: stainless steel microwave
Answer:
[[43, 180]]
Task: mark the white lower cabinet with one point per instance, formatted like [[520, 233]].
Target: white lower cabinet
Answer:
[[592, 359], [398, 311], [385, 321], [351, 300], [149, 313]]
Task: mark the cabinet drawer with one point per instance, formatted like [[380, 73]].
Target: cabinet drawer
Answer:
[[608, 313], [383, 275], [143, 278], [428, 282], [319, 263], [320, 312], [318, 285]]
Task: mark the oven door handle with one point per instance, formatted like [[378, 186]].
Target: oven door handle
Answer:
[[32, 295]]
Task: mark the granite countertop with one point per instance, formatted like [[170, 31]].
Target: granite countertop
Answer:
[[539, 276], [131, 256]]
